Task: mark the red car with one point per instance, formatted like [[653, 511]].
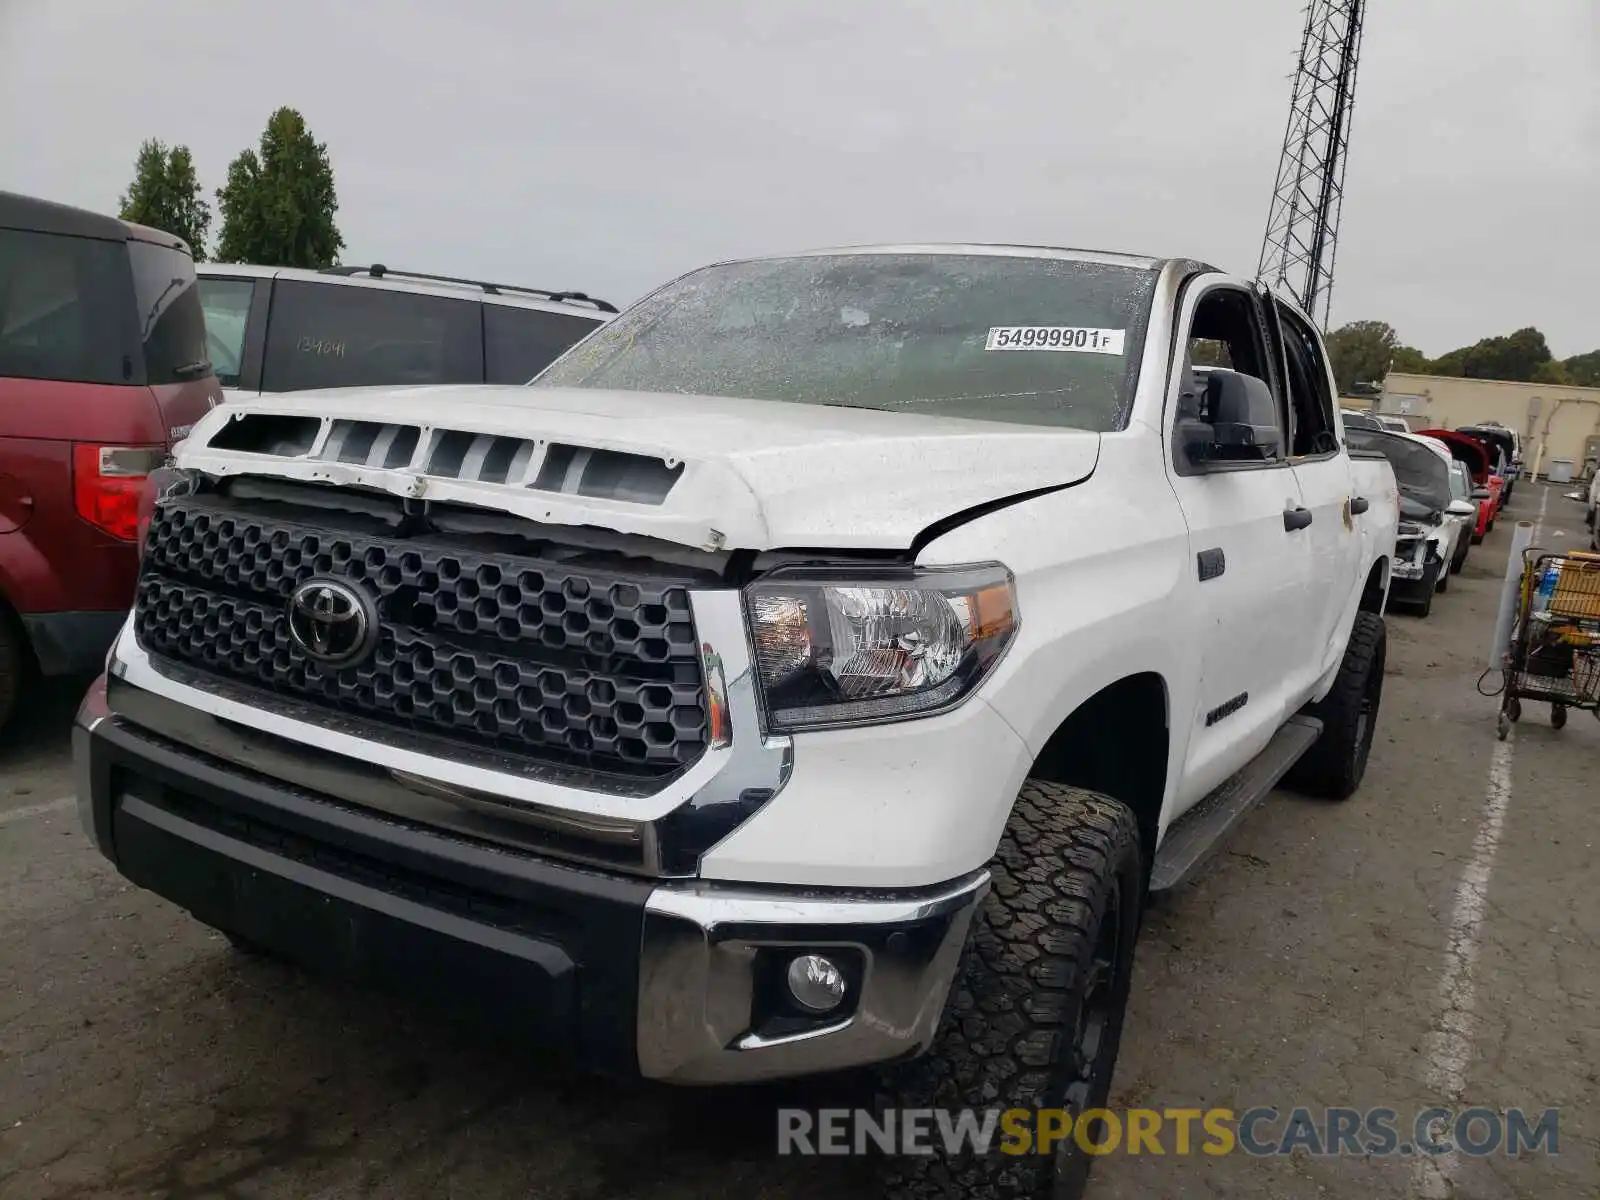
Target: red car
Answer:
[[1504, 455], [1488, 488], [103, 366]]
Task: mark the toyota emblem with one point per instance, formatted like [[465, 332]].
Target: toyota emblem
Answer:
[[332, 622]]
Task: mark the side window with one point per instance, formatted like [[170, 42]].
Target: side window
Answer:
[[171, 323], [518, 343], [1226, 335], [64, 309], [1309, 395], [327, 335], [226, 303]]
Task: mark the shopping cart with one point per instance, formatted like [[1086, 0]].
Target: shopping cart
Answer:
[[1554, 653]]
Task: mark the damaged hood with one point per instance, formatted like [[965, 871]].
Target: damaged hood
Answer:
[[700, 471]]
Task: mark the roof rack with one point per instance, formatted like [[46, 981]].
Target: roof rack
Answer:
[[379, 271]]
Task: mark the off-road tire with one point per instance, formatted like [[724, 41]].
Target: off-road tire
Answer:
[[1068, 860], [1460, 560], [1333, 767], [1443, 585]]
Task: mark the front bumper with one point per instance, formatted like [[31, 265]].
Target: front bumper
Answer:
[[1413, 581], [673, 980]]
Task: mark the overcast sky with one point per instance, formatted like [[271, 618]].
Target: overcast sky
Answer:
[[608, 147]]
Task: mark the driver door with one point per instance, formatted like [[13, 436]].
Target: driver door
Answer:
[[1250, 559]]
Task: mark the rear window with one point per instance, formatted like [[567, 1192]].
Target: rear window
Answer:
[[64, 309], [171, 323], [226, 303], [518, 343], [339, 335]]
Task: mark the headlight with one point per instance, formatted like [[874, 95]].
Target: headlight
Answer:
[[836, 647]]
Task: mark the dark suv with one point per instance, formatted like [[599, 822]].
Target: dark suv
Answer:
[[289, 329], [103, 365]]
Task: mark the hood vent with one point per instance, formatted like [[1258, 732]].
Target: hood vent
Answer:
[[458, 454], [606, 474], [370, 444]]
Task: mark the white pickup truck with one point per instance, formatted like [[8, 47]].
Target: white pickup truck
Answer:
[[815, 668]]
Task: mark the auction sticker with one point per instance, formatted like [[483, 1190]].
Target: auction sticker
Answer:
[[1056, 337]]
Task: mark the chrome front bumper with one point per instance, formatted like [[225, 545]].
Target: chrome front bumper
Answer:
[[671, 979], [702, 952]]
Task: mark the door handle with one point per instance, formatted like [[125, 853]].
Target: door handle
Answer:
[[1296, 518], [1358, 505]]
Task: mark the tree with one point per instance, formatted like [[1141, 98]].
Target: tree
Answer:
[[1583, 370], [1518, 357], [278, 203], [1410, 360], [1361, 353], [1453, 363], [1358, 351], [165, 194]]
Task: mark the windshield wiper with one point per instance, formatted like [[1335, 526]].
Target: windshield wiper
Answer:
[[189, 370]]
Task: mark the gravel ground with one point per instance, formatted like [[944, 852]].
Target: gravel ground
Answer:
[[1313, 964]]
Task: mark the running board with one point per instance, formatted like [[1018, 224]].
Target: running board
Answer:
[[1193, 837]]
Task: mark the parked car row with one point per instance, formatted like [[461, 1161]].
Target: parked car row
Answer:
[[1449, 497], [112, 346], [1492, 475], [1503, 448]]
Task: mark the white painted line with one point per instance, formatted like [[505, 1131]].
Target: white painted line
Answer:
[[8, 815], [1449, 1042]]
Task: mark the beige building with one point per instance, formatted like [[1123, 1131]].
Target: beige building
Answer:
[[1564, 420]]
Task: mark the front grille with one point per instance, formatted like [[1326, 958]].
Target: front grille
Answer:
[[538, 658]]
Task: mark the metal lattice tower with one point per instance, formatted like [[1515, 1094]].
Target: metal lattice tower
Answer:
[[1297, 253]]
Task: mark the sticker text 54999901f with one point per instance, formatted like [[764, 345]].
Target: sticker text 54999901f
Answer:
[[1055, 337]]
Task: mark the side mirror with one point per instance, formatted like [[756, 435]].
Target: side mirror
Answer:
[[1238, 421], [1462, 508], [1479, 493]]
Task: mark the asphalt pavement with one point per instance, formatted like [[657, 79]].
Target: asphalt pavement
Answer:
[[1433, 940]]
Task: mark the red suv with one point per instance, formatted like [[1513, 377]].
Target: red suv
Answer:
[[103, 366]]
